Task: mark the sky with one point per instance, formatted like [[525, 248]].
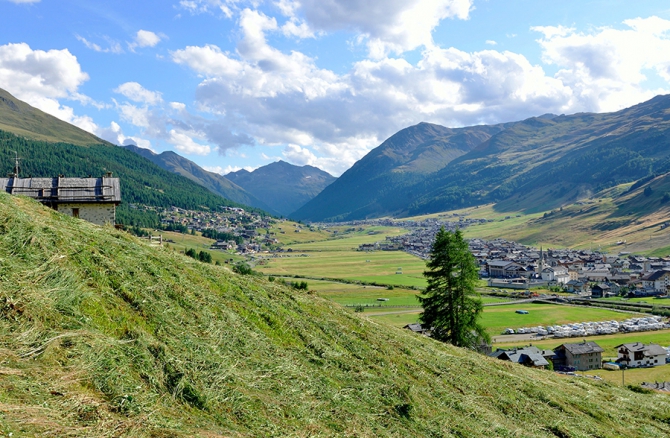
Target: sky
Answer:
[[233, 84]]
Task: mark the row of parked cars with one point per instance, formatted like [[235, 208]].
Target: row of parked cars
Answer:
[[582, 329]]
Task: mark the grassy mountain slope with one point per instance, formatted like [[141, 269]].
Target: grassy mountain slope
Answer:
[[282, 185], [214, 182], [22, 119], [537, 164], [630, 213], [142, 182], [563, 157], [102, 335], [377, 184]]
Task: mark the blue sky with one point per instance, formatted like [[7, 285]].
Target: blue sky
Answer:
[[236, 84]]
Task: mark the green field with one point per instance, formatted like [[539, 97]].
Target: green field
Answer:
[[357, 294], [497, 318], [339, 258]]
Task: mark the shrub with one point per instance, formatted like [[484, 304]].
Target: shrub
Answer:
[[243, 269]]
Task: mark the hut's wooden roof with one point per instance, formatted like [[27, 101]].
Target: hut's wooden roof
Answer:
[[61, 190]]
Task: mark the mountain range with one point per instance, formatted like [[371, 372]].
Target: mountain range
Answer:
[[531, 165], [214, 182], [49, 146], [283, 186]]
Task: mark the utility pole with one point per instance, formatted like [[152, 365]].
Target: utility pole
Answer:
[[17, 168]]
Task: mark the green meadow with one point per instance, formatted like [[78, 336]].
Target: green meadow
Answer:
[[339, 258], [497, 318]]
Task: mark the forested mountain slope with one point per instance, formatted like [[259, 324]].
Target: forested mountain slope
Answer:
[[214, 182], [142, 182], [283, 186], [102, 335]]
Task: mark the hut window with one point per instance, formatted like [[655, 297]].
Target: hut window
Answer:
[[75, 212]]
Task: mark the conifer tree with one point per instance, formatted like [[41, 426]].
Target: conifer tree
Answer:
[[451, 306]]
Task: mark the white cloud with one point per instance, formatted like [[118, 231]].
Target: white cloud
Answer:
[[138, 116], [605, 68], [114, 134], [184, 143], [40, 78], [225, 7], [178, 106], [491, 43], [299, 156], [389, 26], [297, 29], [114, 47], [145, 38], [19, 2], [137, 93], [280, 99], [228, 169]]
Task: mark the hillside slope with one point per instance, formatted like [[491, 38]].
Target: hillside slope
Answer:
[[22, 119], [532, 165], [540, 164], [103, 335], [283, 186], [377, 184], [214, 182]]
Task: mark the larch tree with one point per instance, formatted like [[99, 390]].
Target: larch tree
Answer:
[[451, 306]]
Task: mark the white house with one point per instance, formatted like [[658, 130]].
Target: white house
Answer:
[[639, 355], [657, 280], [558, 274]]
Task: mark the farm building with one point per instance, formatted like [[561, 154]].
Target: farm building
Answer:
[[529, 356], [91, 199], [582, 355]]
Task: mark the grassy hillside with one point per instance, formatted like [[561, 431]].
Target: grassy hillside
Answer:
[[629, 212], [102, 335], [21, 119]]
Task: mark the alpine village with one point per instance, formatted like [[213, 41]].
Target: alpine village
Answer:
[[488, 280]]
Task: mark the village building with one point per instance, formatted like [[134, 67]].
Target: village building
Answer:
[[638, 354], [530, 356], [92, 199], [504, 269], [583, 356], [555, 274], [602, 290], [657, 280], [576, 286], [418, 328]]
